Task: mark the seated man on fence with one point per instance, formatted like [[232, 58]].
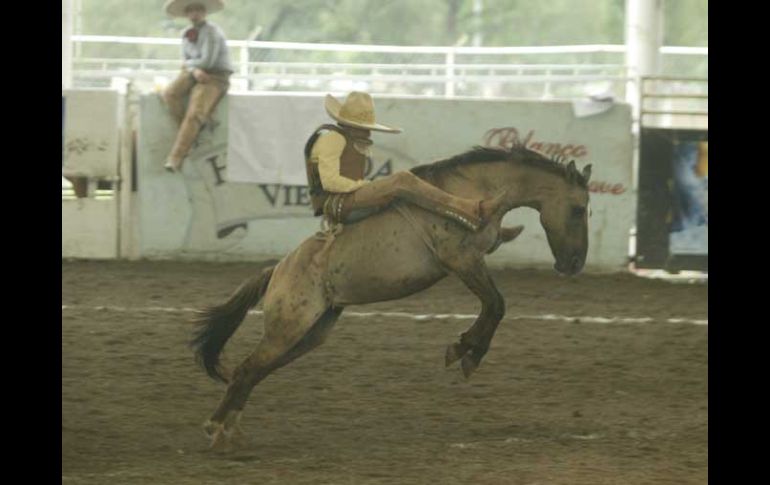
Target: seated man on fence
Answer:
[[204, 78], [335, 158]]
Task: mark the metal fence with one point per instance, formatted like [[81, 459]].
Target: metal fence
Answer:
[[674, 102], [487, 72]]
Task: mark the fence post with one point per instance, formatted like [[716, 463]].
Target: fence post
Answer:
[[66, 44], [449, 85], [245, 60], [547, 94]]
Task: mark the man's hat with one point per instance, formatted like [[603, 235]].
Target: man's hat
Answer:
[[357, 111], [176, 8]]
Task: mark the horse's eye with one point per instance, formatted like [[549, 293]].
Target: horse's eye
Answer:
[[578, 211]]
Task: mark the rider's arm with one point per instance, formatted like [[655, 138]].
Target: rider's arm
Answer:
[[328, 150]]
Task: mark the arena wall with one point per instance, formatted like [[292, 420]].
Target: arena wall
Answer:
[[203, 214], [91, 144]]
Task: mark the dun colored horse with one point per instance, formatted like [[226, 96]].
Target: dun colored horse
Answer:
[[395, 253]]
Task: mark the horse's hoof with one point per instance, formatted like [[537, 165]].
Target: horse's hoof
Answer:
[[454, 352], [220, 444], [210, 428], [508, 234], [237, 436], [221, 439], [226, 434], [469, 365]]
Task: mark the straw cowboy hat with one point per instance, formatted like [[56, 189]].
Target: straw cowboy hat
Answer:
[[357, 111], [176, 8]]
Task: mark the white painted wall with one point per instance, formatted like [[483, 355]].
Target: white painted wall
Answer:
[[89, 229], [92, 124], [201, 214]]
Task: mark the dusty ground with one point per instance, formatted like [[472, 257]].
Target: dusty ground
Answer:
[[553, 403]]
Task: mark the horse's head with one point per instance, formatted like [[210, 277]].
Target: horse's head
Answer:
[[564, 216]]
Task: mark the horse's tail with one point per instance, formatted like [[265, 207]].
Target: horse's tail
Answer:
[[217, 324]]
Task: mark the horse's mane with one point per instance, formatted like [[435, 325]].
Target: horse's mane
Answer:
[[517, 154]]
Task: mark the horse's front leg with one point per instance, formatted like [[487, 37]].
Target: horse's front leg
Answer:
[[474, 343], [505, 235]]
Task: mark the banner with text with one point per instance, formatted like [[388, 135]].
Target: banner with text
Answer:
[[239, 179]]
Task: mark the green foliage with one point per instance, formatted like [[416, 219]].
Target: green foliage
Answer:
[[398, 22], [406, 22]]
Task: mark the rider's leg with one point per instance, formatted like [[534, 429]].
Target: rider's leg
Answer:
[[203, 99], [409, 187], [175, 93]]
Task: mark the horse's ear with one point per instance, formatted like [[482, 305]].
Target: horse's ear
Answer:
[[571, 171], [587, 172]]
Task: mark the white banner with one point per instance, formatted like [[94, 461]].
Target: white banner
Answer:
[[267, 137]]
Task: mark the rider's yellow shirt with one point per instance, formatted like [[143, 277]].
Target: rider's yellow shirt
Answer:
[[326, 152]]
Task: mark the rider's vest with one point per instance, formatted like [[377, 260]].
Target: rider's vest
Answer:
[[352, 166]]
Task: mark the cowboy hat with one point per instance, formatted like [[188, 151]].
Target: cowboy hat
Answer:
[[357, 111], [176, 8]]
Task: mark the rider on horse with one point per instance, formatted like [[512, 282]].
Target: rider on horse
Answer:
[[335, 157]]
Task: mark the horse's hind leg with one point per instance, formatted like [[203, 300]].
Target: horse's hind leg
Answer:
[[274, 351]]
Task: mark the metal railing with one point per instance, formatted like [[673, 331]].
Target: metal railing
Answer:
[[674, 102], [539, 72]]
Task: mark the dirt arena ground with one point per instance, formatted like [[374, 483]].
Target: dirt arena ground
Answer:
[[554, 402]]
